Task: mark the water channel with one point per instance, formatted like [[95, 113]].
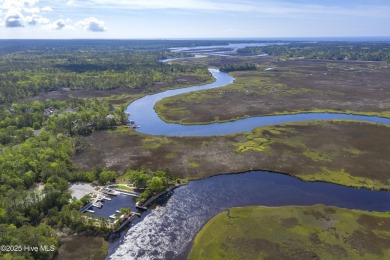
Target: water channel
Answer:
[[143, 114], [167, 231]]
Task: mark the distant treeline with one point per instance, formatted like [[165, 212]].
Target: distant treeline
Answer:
[[364, 51], [67, 45], [228, 67], [31, 70]]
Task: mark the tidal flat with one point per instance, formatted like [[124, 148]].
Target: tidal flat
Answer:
[[349, 153], [292, 86]]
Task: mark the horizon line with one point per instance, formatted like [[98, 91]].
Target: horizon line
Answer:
[[207, 38]]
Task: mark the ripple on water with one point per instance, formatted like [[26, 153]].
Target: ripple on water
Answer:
[[167, 232]]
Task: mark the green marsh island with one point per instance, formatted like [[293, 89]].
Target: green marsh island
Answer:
[[315, 232]]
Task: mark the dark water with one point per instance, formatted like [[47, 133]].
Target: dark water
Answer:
[[116, 203], [168, 230]]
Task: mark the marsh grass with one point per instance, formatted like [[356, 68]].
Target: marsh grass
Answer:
[[349, 153], [315, 232], [294, 86]]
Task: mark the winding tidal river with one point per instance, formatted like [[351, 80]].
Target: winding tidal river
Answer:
[[167, 231], [143, 113]]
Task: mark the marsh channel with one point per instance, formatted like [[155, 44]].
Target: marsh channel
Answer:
[[167, 230]]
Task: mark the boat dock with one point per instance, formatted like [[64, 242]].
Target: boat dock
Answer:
[[86, 207], [111, 192], [141, 207], [129, 193]]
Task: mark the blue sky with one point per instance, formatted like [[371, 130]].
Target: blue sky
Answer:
[[132, 19]]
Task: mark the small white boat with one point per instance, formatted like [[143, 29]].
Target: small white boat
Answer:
[[98, 204]]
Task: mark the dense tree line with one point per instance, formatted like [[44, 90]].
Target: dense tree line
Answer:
[[364, 51], [29, 72], [228, 67], [151, 182]]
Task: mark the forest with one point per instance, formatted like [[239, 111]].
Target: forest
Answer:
[[28, 68], [229, 67], [329, 50]]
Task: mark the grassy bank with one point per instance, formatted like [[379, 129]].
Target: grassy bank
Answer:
[[343, 152], [83, 247], [316, 232], [293, 86]]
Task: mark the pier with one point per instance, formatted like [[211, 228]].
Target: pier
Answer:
[[125, 223], [129, 193], [86, 207], [111, 192], [97, 202], [141, 207]]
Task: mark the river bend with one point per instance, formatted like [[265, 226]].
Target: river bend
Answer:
[[143, 113]]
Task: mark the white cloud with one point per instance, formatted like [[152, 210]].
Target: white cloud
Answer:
[[29, 2], [47, 9], [17, 4], [92, 24], [174, 4], [58, 25], [36, 19], [14, 18], [31, 10], [264, 7], [19, 13]]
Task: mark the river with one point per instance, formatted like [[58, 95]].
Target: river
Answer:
[[143, 113], [167, 231]]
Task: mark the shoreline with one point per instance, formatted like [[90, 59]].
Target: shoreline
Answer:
[[384, 115], [293, 176]]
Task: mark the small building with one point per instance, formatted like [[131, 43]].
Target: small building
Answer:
[[110, 117], [49, 111]]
